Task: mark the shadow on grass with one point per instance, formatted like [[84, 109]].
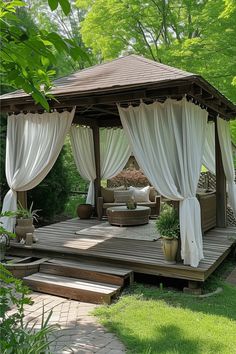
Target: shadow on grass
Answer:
[[169, 339], [222, 304]]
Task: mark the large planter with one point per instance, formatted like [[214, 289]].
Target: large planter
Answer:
[[23, 227], [84, 211], [170, 247]]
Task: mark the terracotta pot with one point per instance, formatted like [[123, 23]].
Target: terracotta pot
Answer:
[[23, 227], [169, 247], [84, 211]]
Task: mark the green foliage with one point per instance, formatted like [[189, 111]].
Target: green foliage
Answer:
[[18, 337], [67, 26], [72, 204], [53, 192], [198, 36], [28, 54], [167, 223], [3, 132], [23, 213], [3, 231]]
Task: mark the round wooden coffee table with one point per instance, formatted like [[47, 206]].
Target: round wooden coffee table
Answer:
[[122, 216]]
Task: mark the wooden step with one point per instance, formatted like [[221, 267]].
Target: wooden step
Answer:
[[76, 289], [93, 272]]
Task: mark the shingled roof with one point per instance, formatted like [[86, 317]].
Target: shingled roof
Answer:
[[127, 71], [128, 74]]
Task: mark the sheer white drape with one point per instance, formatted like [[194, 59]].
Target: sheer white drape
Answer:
[[168, 140], [34, 142], [114, 151], [83, 152], [208, 159], [223, 129]]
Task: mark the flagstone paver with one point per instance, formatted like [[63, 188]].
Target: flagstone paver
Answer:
[[79, 331]]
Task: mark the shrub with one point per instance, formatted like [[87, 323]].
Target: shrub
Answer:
[[16, 336], [53, 192]]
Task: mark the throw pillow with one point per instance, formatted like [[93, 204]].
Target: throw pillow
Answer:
[[122, 196], [108, 193], [141, 195]]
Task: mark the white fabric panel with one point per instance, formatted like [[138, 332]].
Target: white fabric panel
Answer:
[[167, 140], [114, 151], [83, 152], [223, 129], [34, 142], [208, 159]]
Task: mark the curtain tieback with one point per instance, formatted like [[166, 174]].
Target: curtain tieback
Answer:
[[189, 198]]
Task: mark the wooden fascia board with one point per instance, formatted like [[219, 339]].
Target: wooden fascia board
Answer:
[[92, 97]]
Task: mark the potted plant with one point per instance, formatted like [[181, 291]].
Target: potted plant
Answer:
[[5, 235], [167, 225], [24, 221]]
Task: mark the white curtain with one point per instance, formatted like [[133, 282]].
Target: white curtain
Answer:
[[83, 152], [114, 151], [34, 142], [168, 140], [208, 159], [223, 129]]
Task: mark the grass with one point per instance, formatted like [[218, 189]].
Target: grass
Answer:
[[150, 320]]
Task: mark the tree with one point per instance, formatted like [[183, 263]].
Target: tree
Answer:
[[194, 35], [67, 27], [28, 54]]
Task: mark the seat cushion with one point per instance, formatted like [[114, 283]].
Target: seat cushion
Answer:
[[109, 205]]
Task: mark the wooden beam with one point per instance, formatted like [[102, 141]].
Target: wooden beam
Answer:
[[107, 111], [221, 202], [97, 182], [22, 198]]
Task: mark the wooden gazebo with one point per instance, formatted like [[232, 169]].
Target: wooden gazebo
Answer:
[[96, 91]]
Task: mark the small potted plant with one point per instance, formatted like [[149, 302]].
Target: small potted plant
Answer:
[[24, 221], [167, 225]]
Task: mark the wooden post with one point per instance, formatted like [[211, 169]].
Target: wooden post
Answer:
[[22, 198], [221, 202], [97, 182]]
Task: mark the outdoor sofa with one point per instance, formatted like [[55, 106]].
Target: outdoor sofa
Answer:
[[111, 197]]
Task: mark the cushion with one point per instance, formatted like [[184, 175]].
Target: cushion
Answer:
[[152, 194], [122, 196], [141, 195], [108, 193]]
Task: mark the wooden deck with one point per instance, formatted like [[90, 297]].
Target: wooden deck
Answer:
[[141, 256]]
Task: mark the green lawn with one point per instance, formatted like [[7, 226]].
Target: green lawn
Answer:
[[149, 320]]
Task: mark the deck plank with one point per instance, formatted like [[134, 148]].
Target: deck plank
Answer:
[[139, 255]]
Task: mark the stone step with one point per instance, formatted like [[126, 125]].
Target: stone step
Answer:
[[93, 272], [76, 289]]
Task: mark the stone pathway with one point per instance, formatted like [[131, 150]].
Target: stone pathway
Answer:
[[79, 331]]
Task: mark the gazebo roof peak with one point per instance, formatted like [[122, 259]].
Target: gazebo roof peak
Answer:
[[128, 71], [125, 79]]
